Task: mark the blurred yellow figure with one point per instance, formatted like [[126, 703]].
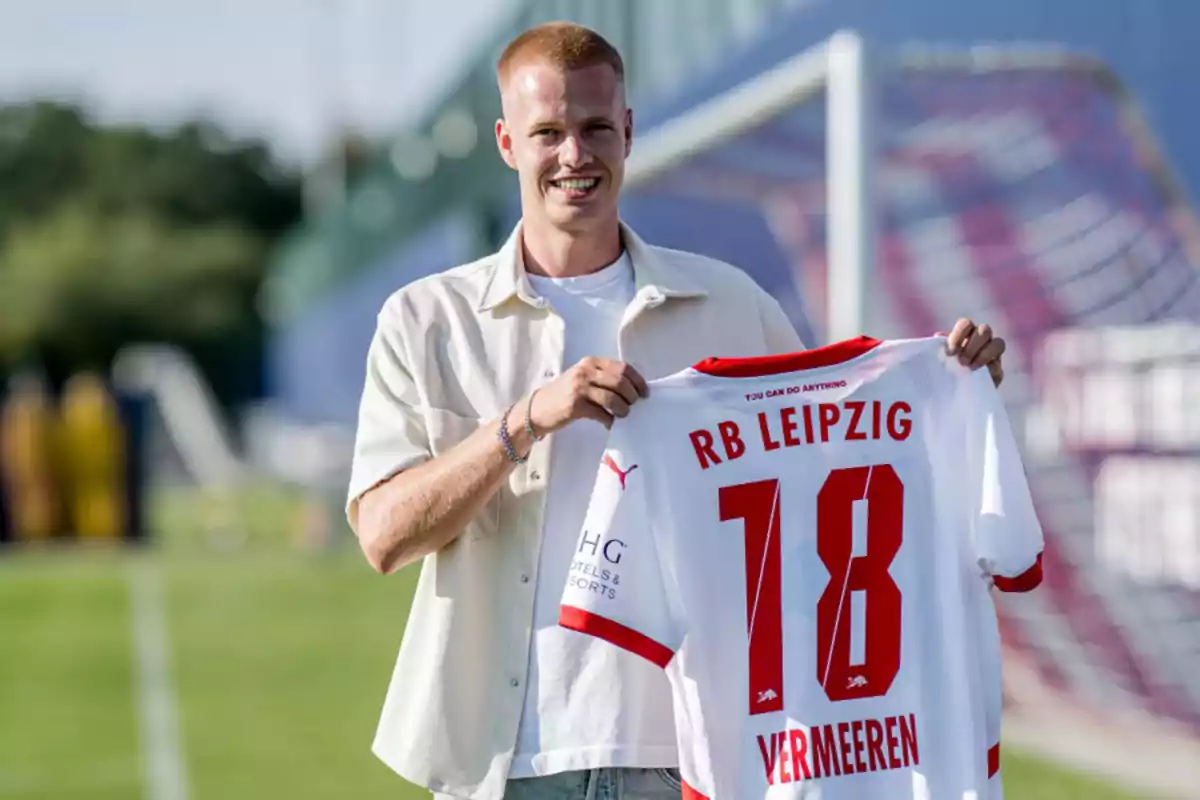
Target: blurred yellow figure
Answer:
[[92, 446], [27, 459]]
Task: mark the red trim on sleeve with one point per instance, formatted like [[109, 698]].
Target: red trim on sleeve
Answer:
[[1027, 581], [626, 638], [758, 366], [994, 760], [691, 794]]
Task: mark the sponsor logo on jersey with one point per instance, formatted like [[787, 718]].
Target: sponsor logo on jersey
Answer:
[[622, 474]]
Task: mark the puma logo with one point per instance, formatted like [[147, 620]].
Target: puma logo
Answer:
[[621, 474]]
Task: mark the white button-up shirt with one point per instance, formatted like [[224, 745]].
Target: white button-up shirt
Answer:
[[450, 352]]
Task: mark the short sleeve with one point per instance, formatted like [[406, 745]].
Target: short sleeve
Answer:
[[391, 434], [615, 589], [1007, 534]]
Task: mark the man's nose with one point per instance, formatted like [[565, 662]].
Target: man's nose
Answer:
[[573, 153]]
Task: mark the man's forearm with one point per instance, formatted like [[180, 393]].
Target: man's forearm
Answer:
[[421, 510]]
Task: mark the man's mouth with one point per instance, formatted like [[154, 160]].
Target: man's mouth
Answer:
[[575, 187]]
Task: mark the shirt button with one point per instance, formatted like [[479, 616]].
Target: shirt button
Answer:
[[524, 579], [514, 683], [548, 373], [535, 475]]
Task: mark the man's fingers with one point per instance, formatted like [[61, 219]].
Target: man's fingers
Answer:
[[621, 379], [989, 353], [958, 334], [595, 367], [625, 388], [610, 401], [637, 380], [996, 370], [974, 345], [589, 410], [614, 382]]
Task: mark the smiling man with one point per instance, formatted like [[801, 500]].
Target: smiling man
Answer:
[[482, 425]]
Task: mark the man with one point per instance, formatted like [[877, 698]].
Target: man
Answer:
[[489, 388]]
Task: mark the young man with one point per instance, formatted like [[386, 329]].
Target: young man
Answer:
[[489, 388]]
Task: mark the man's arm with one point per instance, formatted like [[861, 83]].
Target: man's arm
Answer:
[[422, 509]]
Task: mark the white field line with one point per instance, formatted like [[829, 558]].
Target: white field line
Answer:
[[162, 755]]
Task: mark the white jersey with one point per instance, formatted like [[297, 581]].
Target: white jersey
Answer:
[[805, 543]]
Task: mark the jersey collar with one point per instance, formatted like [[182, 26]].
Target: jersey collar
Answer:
[[758, 366]]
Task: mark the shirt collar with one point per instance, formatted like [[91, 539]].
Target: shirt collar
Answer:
[[654, 276]]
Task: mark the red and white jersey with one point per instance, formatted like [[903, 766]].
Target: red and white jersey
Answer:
[[805, 543]]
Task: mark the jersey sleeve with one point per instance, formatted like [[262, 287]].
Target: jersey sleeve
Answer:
[[1007, 534], [615, 588]]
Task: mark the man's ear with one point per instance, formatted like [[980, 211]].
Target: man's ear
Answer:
[[504, 143], [628, 131]]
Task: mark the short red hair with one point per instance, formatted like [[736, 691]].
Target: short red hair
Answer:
[[564, 45]]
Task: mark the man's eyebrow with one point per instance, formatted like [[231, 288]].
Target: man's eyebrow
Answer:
[[540, 124]]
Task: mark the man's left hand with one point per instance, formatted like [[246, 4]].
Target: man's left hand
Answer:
[[976, 347]]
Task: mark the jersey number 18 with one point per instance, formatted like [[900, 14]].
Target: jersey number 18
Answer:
[[758, 505]]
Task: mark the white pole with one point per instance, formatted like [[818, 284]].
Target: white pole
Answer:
[[850, 148]]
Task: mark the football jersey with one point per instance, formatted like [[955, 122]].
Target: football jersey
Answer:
[[805, 543]]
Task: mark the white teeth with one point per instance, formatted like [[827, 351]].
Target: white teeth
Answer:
[[577, 184]]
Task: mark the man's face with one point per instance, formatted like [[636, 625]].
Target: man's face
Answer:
[[567, 135]]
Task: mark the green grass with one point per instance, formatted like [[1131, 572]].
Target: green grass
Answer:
[[280, 660], [280, 671], [67, 717], [1027, 777]]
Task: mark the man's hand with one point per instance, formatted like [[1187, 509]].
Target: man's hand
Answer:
[[595, 388], [976, 347]]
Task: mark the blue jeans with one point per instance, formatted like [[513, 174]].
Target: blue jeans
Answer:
[[596, 784]]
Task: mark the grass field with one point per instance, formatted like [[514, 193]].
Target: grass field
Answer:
[[279, 663]]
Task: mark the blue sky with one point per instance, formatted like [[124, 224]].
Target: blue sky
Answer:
[[280, 68]]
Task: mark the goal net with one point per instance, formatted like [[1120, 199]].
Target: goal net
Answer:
[[889, 194]]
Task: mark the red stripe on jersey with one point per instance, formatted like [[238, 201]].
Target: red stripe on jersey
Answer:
[[691, 794], [610, 631], [757, 366], [1027, 581]]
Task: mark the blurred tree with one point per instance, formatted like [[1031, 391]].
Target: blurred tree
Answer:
[[111, 234], [77, 284]]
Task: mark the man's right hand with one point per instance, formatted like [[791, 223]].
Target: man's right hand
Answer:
[[595, 388]]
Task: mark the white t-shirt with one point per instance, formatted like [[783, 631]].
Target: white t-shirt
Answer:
[[587, 704], [802, 542]]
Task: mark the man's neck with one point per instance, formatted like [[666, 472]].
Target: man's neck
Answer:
[[561, 254]]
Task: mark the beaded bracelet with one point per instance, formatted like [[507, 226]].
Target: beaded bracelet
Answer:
[[506, 441]]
